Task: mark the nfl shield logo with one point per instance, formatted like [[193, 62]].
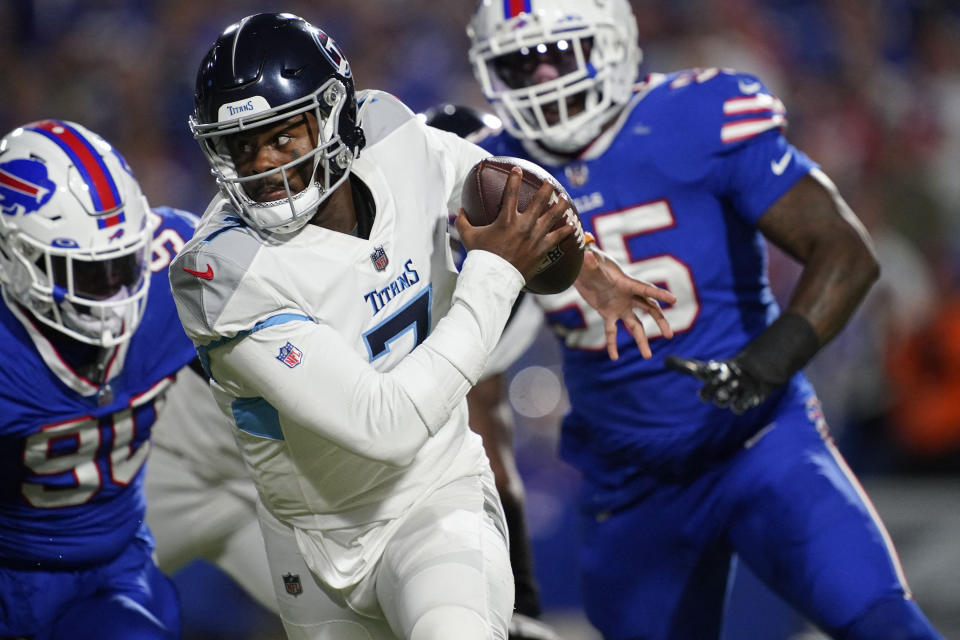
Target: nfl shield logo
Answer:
[[379, 258], [291, 582], [290, 355], [577, 173]]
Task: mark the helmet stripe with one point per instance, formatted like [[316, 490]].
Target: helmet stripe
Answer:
[[103, 190], [513, 8]]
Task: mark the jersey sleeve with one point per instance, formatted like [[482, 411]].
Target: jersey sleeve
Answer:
[[207, 274], [335, 393], [756, 163], [462, 156], [736, 126], [758, 174]]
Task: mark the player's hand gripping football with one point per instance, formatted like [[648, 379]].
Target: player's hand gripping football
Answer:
[[617, 296], [519, 238], [526, 628], [726, 383]]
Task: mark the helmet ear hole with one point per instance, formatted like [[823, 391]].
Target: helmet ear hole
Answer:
[[20, 265], [16, 277]]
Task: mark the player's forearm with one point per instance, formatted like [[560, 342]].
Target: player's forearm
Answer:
[[592, 276], [832, 285], [463, 339], [813, 224], [332, 393], [336, 394], [823, 301], [838, 272]]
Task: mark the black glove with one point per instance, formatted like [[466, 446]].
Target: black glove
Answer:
[[768, 361], [725, 382], [526, 628]]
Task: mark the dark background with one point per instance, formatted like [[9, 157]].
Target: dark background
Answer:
[[872, 90]]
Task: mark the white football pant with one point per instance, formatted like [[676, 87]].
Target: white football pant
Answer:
[[444, 574]]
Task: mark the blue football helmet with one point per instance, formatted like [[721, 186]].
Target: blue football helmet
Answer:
[[465, 121], [262, 70]]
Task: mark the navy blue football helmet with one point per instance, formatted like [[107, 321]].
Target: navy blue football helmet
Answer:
[[465, 121], [262, 70]]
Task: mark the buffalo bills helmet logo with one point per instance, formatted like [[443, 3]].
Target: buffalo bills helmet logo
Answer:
[[24, 186]]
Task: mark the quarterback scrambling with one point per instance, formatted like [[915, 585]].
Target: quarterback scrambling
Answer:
[[321, 295]]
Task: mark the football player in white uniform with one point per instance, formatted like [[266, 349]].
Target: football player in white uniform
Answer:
[[201, 503], [200, 500], [490, 413], [320, 292]]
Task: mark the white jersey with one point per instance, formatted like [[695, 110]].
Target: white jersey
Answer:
[[309, 339]]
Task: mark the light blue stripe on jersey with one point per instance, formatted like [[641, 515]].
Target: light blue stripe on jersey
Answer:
[[281, 318], [257, 417]]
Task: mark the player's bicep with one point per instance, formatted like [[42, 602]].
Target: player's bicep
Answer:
[[812, 213]]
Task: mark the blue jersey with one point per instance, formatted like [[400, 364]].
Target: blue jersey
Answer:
[[72, 452], [673, 191]]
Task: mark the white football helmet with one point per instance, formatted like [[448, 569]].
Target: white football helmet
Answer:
[[591, 44], [74, 233]]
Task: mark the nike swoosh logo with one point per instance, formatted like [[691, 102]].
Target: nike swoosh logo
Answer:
[[780, 165], [749, 87], [206, 275]]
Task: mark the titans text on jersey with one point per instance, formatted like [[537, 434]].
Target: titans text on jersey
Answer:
[[378, 299]]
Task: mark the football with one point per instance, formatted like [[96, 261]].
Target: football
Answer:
[[482, 193]]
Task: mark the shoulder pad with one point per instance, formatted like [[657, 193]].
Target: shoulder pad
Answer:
[[740, 103], [722, 107], [207, 273], [380, 114], [184, 222]]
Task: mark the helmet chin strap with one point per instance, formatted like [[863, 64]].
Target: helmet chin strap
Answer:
[[571, 144], [566, 143], [98, 322]]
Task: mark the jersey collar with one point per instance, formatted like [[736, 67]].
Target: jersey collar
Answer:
[[116, 356], [601, 143]]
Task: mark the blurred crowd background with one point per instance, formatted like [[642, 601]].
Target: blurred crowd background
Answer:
[[872, 89]]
